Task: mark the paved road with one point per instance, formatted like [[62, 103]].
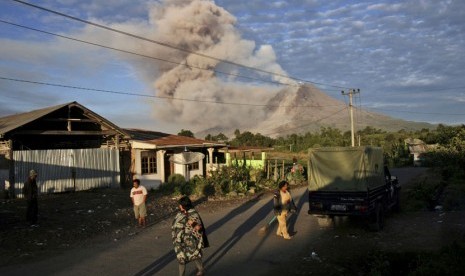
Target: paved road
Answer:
[[236, 247]]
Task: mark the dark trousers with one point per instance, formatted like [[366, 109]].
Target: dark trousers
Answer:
[[32, 211]]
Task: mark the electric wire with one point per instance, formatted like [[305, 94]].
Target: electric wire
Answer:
[[174, 46], [146, 56], [206, 101], [151, 96], [191, 52]]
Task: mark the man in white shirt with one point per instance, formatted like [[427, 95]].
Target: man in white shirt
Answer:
[[138, 197]]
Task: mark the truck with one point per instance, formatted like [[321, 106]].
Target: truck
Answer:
[[351, 181]]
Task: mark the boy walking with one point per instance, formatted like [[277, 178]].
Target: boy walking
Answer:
[[138, 197]]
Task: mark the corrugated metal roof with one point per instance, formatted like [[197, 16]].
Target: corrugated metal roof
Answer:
[[12, 122], [165, 140], [15, 121]]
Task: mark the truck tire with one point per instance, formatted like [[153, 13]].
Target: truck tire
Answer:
[[377, 218]]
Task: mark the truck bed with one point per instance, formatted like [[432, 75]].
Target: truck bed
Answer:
[[340, 203]]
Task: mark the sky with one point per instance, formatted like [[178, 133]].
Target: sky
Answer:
[[172, 64]]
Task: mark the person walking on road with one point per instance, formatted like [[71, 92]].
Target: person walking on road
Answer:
[[138, 197], [31, 193], [283, 204], [189, 236]]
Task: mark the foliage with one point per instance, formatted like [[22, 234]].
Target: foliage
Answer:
[[249, 139], [396, 151], [425, 193], [176, 185], [449, 157], [221, 182], [296, 174], [186, 133], [217, 138]]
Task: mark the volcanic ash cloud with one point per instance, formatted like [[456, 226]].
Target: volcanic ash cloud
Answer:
[[204, 28]]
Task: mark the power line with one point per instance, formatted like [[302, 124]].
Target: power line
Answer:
[[205, 101], [151, 96], [146, 56], [173, 46]]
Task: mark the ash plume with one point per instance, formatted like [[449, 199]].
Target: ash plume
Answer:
[[200, 26]]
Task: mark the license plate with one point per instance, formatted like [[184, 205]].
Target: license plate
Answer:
[[338, 207]]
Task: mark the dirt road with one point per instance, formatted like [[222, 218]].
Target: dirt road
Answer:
[[236, 247]]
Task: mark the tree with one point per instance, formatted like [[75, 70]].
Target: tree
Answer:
[[186, 133], [217, 138], [220, 137]]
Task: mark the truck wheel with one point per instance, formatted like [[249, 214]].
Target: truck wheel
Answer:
[[377, 218]]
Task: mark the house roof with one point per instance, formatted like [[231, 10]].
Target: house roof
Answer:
[[414, 141], [12, 122], [165, 140]]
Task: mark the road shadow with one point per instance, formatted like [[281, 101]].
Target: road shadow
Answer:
[[293, 219], [245, 228], [170, 256]]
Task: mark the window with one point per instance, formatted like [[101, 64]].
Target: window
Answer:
[[193, 166], [148, 161]]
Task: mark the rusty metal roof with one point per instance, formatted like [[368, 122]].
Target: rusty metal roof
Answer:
[[165, 140]]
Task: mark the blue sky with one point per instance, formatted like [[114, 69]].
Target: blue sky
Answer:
[[406, 57]]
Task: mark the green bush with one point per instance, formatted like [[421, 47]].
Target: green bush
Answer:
[[176, 179]]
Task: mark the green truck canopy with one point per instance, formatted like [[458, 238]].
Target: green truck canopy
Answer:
[[345, 169]]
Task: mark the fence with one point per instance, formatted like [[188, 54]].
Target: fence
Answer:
[[67, 169]]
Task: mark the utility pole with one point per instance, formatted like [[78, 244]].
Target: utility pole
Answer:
[[351, 109]]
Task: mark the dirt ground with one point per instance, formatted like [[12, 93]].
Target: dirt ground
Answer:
[[81, 219]]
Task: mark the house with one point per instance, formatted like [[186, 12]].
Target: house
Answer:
[[254, 157], [70, 146], [417, 148], [157, 155]]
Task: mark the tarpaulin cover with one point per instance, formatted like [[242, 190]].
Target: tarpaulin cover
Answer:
[[345, 169]]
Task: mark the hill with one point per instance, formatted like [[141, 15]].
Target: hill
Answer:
[[307, 109]]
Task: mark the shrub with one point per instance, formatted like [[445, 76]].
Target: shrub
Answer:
[[176, 179]]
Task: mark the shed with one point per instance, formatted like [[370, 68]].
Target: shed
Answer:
[[70, 146]]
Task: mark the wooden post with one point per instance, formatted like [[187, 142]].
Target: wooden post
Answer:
[[275, 178], [268, 170], [282, 175], [11, 173]]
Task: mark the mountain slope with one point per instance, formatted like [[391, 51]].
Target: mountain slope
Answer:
[[307, 109]]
